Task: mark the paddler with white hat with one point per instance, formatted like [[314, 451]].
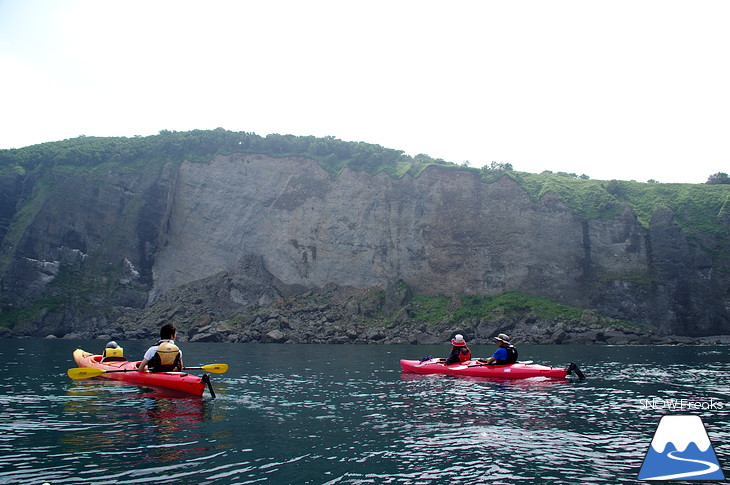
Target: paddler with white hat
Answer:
[[459, 350]]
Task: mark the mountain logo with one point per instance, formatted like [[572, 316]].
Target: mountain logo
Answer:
[[681, 450]]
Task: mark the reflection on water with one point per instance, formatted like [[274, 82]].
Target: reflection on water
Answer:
[[124, 417], [347, 415]]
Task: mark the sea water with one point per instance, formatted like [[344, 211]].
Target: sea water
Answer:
[[336, 414]]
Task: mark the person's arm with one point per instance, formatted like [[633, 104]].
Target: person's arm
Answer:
[[452, 358], [494, 356], [181, 367], [147, 357], [499, 355]]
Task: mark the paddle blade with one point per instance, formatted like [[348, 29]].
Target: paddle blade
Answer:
[[215, 368], [84, 372]]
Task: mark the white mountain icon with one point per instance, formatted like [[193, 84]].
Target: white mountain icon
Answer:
[[680, 430], [680, 450]]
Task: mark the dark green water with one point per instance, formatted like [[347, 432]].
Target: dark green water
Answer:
[[346, 415]]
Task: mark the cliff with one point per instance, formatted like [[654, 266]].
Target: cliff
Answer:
[[96, 251]]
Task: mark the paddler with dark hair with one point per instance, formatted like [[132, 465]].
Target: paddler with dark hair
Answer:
[[164, 356], [459, 351], [505, 354]]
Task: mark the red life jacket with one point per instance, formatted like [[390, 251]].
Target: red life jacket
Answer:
[[464, 356]]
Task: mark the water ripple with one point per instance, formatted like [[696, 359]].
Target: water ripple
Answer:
[[313, 414]]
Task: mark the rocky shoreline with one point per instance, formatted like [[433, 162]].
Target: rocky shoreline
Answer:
[[345, 335], [337, 315], [319, 326]]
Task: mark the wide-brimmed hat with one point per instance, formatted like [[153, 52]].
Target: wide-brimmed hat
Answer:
[[458, 340], [502, 338]]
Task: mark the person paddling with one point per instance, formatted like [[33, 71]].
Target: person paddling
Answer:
[[164, 356], [459, 350], [505, 354]]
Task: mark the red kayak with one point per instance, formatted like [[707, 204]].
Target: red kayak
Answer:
[[476, 368], [126, 371]]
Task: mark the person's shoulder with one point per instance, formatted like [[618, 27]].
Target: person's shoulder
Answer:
[[151, 351]]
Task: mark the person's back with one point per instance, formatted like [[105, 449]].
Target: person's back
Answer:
[[165, 356], [459, 351], [112, 352], [512, 354]]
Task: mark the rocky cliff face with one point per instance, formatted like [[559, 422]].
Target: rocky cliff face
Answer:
[[140, 235], [444, 232]]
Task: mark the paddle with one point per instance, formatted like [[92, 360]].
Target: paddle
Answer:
[[526, 362], [424, 360], [88, 372], [214, 368]]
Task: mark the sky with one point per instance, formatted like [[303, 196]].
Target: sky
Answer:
[[628, 90]]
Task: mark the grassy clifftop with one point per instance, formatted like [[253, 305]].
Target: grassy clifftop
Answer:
[[698, 207], [94, 153]]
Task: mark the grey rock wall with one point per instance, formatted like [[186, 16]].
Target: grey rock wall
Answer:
[[443, 232], [138, 235]]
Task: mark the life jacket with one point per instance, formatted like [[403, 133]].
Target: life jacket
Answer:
[[113, 354], [511, 356], [458, 354], [464, 356], [167, 357]]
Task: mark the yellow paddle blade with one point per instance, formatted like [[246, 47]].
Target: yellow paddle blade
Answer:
[[84, 372], [215, 368]]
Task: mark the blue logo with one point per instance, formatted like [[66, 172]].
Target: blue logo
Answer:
[[681, 450]]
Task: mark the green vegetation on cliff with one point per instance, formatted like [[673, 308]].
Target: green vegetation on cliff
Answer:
[[74, 291], [698, 207], [94, 153], [510, 304], [470, 310]]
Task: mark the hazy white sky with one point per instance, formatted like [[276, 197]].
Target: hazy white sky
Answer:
[[632, 90]]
